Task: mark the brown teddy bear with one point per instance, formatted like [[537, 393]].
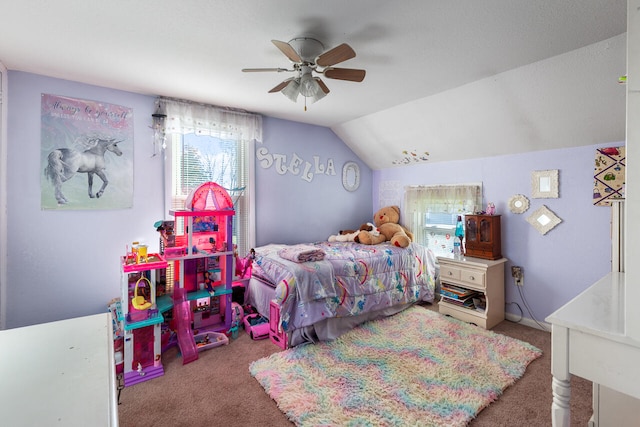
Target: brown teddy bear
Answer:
[[386, 220]]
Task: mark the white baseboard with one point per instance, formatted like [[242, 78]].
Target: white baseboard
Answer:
[[527, 322]]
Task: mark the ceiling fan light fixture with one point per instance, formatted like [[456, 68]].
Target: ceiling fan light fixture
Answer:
[[308, 86], [308, 57], [292, 90], [318, 96]]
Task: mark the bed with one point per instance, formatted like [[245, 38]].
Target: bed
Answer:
[[323, 298]]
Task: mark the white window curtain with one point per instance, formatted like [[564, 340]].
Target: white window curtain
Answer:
[[184, 117], [232, 135], [430, 212]]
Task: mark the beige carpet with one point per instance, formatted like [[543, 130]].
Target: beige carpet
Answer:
[[218, 390]]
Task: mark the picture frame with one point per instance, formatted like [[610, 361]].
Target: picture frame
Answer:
[[543, 220], [518, 204], [544, 184]]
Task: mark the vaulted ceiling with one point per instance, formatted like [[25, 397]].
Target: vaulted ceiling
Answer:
[[445, 80]]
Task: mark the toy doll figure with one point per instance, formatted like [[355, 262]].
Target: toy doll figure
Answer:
[[491, 208], [208, 282]]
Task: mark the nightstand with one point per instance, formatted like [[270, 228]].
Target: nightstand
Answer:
[[463, 280]]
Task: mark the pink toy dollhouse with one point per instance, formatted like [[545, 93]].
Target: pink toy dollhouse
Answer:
[[196, 307]]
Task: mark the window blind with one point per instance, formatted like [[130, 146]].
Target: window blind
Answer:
[[208, 143]]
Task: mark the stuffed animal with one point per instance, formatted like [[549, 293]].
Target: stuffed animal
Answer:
[[350, 235], [346, 237], [387, 221], [371, 228]]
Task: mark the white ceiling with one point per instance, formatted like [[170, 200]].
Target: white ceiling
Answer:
[[456, 79]]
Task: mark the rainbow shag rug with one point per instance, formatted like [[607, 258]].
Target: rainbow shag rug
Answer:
[[415, 368]]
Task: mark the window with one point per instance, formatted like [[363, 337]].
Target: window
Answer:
[[430, 212], [206, 143]]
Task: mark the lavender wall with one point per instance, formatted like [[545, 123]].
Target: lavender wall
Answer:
[[558, 265], [294, 208], [66, 264]]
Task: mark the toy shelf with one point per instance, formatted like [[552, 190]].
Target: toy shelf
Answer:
[[165, 302], [218, 291], [155, 261], [154, 320], [185, 213], [175, 257]]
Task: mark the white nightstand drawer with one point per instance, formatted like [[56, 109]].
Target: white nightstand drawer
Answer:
[[476, 278], [473, 277], [448, 272]]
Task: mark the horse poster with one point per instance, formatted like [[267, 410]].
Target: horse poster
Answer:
[[86, 154]]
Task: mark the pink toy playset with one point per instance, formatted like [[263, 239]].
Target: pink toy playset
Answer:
[[183, 294]]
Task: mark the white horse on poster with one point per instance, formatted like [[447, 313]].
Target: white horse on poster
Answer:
[[64, 163]]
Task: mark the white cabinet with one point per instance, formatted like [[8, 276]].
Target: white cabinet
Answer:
[[59, 373], [486, 277], [590, 339]]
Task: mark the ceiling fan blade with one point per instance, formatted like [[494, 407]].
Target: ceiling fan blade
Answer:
[[289, 51], [323, 86], [349, 74], [259, 70], [281, 86], [336, 55]]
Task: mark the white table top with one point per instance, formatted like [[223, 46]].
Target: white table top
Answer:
[[599, 310], [59, 373], [482, 262]]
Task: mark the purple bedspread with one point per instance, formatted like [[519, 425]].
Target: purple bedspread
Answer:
[[351, 279]]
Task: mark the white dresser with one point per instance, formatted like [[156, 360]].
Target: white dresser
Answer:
[[59, 373]]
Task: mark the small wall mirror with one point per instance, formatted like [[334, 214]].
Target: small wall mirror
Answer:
[[518, 204], [543, 220], [544, 184]]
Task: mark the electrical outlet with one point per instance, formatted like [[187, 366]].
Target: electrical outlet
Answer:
[[518, 275]]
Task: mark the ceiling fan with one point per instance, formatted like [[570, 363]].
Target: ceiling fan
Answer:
[[308, 57]]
